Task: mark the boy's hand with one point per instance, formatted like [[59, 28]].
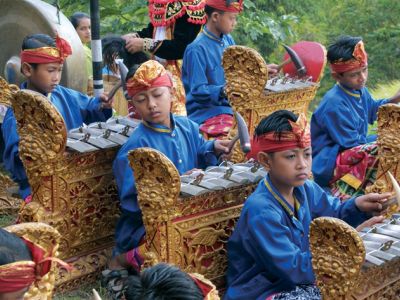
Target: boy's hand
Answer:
[[372, 203], [370, 222], [272, 69], [134, 45], [221, 147], [105, 102]]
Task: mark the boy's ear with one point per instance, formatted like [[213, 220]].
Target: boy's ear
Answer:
[[264, 159], [26, 69], [214, 16]]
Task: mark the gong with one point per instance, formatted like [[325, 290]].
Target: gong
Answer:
[[19, 18]]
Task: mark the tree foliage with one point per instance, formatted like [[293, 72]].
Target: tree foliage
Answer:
[[266, 24]]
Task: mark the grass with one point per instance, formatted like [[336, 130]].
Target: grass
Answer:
[[85, 292]]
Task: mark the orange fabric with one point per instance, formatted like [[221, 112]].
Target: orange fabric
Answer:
[[235, 6], [46, 55], [149, 75], [359, 60], [299, 137]]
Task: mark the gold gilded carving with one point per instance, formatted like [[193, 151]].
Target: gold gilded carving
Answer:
[[47, 238], [246, 75], [8, 203], [7, 92], [213, 294], [388, 142], [42, 132], [337, 256], [157, 182], [190, 232]]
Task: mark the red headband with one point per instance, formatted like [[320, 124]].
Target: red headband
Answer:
[[22, 274], [234, 6], [46, 55], [150, 74], [359, 60], [269, 142], [206, 287]]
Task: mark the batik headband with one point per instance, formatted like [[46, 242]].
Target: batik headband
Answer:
[[46, 55], [359, 60], [149, 75]]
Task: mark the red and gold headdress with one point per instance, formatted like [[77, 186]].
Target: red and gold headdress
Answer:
[[22, 274], [359, 60], [226, 5], [46, 55], [166, 12], [270, 142], [149, 75]]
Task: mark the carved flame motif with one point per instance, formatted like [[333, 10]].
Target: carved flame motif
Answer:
[[7, 92], [337, 256], [42, 131]]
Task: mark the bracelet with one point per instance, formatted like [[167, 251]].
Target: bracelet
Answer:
[[150, 45]]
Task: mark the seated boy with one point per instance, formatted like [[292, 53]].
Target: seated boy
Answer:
[[177, 137], [202, 71], [42, 59], [168, 282], [268, 253], [343, 157]]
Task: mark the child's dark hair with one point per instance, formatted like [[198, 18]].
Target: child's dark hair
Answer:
[[276, 122], [162, 282], [77, 17], [12, 248], [342, 48], [114, 47], [210, 10], [37, 40]]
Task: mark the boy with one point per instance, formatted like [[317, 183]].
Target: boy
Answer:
[[42, 60], [269, 256], [177, 137], [339, 126], [165, 281], [202, 71]]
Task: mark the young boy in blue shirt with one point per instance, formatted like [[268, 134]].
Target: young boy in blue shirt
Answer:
[[268, 252], [42, 59], [202, 72], [177, 137], [344, 154]]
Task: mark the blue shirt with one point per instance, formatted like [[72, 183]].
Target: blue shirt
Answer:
[[340, 122], [75, 108], [182, 144], [268, 251], [203, 76]]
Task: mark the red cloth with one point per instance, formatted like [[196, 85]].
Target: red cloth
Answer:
[[359, 60], [235, 6], [217, 127], [203, 286], [270, 142], [21, 274], [46, 55]]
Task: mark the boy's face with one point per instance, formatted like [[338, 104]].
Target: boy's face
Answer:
[[355, 79], [44, 78], [154, 105], [225, 22], [290, 168]]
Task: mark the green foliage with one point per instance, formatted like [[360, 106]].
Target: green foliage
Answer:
[[266, 24]]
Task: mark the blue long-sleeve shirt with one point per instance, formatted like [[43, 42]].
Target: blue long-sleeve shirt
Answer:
[[340, 122], [75, 108], [203, 76], [182, 144], [268, 251]]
